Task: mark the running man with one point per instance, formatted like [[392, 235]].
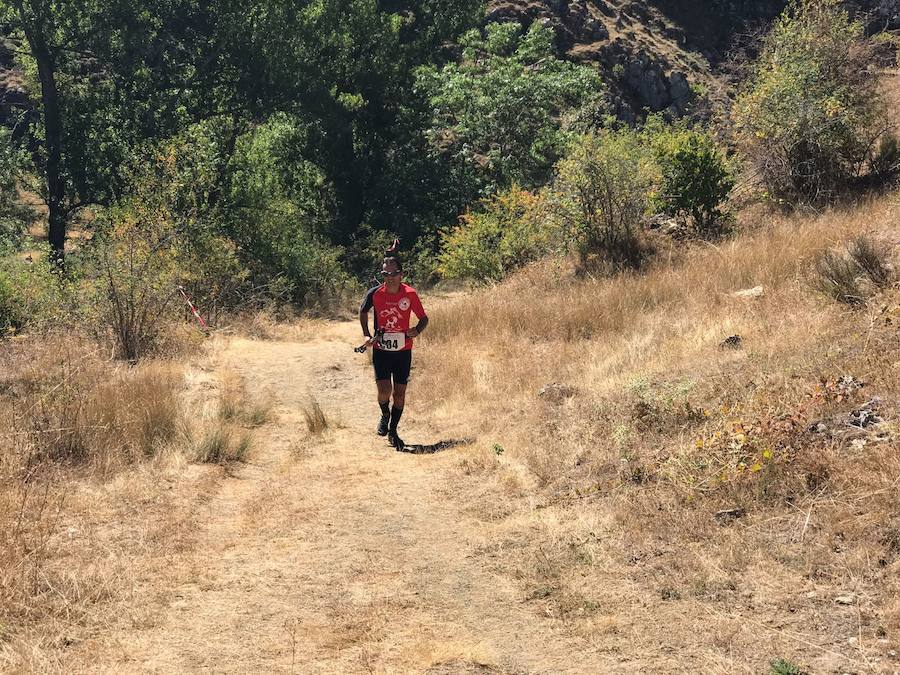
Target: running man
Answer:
[[393, 301]]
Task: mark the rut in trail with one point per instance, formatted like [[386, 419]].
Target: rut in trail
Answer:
[[335, 554]]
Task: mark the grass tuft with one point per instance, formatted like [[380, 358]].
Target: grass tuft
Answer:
[[853, 275], [223, 444], [316, 422]]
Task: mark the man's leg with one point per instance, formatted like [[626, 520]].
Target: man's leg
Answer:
[[401, 377], [383, 381], [384, 398]]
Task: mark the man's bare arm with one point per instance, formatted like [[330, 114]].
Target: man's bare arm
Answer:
[[364, 322]]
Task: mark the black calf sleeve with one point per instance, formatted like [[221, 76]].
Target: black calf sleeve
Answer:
[[396, 413], [385, 408]]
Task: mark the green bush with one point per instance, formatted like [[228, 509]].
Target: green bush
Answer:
[[812, 113], [506, 232], [14, 216], [497, 112], [31, 293], [785, 667], [600, 195], [695, 179], [277, 216]]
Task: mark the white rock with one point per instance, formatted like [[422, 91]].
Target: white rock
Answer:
[[755, 292], [847, 599]]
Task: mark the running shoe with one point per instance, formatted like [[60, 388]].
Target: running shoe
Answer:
[[383, 425], [395, 440]]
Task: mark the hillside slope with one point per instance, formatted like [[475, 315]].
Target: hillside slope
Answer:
[[653, 52]]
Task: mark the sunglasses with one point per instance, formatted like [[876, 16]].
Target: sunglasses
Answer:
[[391, 274]]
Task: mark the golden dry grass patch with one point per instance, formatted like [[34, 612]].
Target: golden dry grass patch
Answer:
[[661, 426]]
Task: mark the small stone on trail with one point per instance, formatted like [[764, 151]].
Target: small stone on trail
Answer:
[[556, 392], [847, 599], [732, 342], [726, 516], [755, 292]]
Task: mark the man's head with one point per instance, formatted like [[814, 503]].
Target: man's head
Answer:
[[392, 267], [392, 271]]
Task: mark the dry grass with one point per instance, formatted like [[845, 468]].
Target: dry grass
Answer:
[[316, 421], [70, 422], [237, 407], [223, 444], [661, 427], [61, 402]]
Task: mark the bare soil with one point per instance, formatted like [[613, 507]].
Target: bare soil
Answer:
[[334, 553]]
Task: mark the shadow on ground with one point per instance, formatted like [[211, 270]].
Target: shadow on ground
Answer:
[[419, 449]]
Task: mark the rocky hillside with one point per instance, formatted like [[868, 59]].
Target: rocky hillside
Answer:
[[657, 54]]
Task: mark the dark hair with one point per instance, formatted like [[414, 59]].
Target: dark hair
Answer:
[[392, 253]]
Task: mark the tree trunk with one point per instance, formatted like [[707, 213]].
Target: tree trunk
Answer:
[[56, 196]]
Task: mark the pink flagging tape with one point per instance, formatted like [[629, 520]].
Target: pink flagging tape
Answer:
[[193, 309]]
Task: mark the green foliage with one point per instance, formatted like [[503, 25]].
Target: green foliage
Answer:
[[14, 217], [497, 112], [278, 208], [785, 667], [506, 232], [600, 194], [31, 294], [695, 177], [812, 112]]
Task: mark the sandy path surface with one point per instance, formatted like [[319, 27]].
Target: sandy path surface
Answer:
[[335, 554]]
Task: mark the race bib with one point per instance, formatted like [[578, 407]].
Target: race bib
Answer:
[[393, 342]]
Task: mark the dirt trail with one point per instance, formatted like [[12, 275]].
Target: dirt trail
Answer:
[[336, 554]]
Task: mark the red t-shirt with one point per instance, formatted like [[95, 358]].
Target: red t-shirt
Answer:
[[392, 312]]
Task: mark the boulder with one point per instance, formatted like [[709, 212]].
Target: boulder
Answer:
[[556, 392], [680, 88], [755, 292]]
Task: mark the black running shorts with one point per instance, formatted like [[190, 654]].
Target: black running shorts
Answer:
[[394, 365]]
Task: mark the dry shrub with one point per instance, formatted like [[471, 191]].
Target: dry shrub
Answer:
[[853, 275], [73, 406], [223, 444], [66, 412], [235, 405], [316, 421]]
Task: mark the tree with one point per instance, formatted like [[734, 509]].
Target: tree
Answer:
[[109, 76], [695, 179], [811, 114], [602, 191], [498, 112]]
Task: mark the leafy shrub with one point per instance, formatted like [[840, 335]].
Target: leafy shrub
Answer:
[[785, 667], [31, 293], [853, 275], [14, 216], [812, 113], [695, 177], [277, 216], [497, 112], [886, 161], [508, 231], [133, 278], [600, 195]]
